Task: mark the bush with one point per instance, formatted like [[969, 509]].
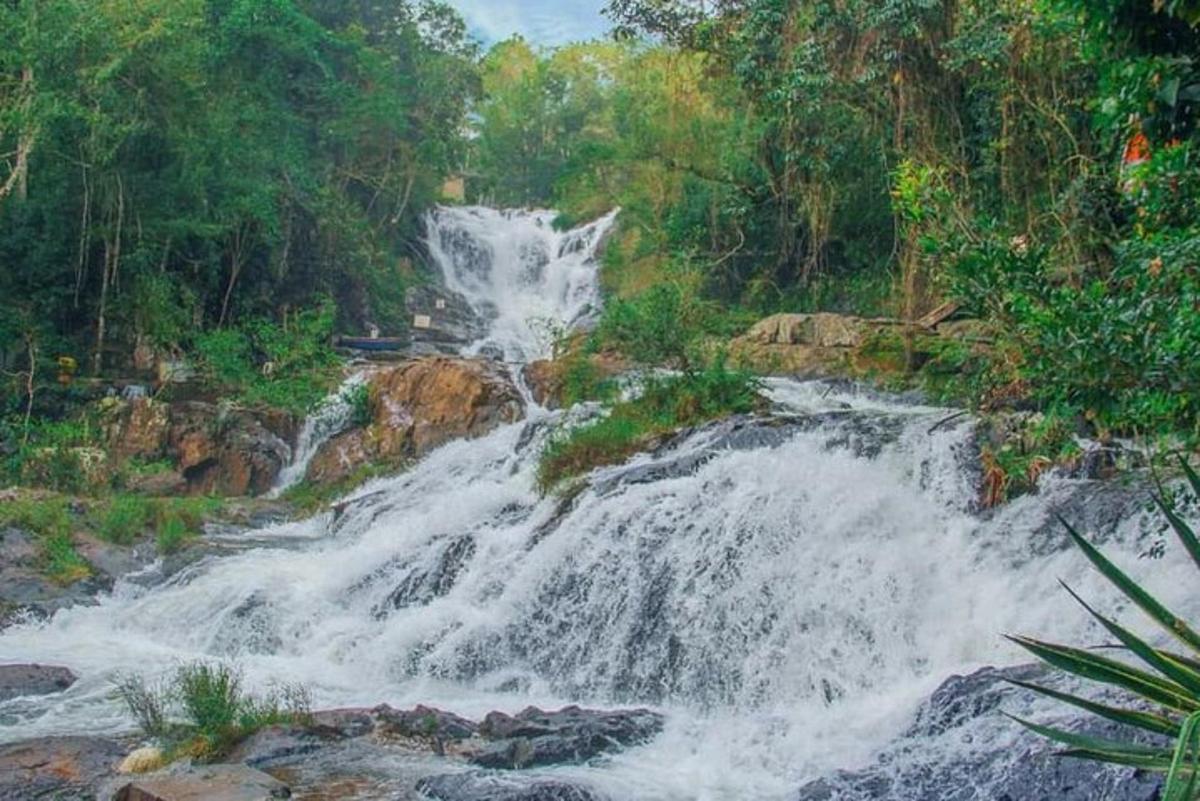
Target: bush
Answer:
[[126, 519], [203, 712], [1169, 682], [664, 406], [50, 521]]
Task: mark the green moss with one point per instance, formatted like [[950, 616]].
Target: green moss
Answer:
[[50, 520], [309, 499]]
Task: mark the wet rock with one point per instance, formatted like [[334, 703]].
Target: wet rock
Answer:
[[205, 783], [546, 378], [489, 787], [959, 749], [28, 680], [448, 322], [57, 768], [277, 743], [423, 722], [572, 735], [416, 407], [25, 590], [420, 587]]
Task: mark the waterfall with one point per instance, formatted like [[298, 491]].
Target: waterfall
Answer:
[[528, 280], [785, 588], [330, 418]]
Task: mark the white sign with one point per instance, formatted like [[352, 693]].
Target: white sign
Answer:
[[423, 322], [441, 304]]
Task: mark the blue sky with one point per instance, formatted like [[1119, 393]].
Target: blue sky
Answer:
[[548, 22]]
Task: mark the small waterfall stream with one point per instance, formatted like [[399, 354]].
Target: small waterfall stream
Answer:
[[786, 589]]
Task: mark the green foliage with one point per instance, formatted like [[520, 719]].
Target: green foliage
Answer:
[[125, 520], [1167, 680], [203, 712], [665, 405], [290, 367], [359, 399], [50, 520]]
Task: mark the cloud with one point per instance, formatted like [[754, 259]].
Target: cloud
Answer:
[[549, 22]]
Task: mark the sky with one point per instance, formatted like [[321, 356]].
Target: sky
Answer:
[[546, 22]]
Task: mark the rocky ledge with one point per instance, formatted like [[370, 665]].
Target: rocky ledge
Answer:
[[345, 754], [416, 406]]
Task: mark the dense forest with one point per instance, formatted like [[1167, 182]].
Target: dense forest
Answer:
[[211, 177]]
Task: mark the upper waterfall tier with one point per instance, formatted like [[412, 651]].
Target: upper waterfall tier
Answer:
[[528, 280]]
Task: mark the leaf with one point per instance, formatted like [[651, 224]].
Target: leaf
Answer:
[[1179, 673], [1128, 717], [1132, 590], [1097, 744], [1108, 671], [1182, 777]]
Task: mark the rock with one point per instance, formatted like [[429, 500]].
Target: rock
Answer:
[[535, 738], [228, 452], [416, 407], [56, 767], [818, 330], [158, 485], [138, 430], [143, 760], [960, 749], [205, 783], [423, 722], [27, 680], [275, 743], [340, 457], [546, 378], [443, 321], [25, 590], [489, 787]]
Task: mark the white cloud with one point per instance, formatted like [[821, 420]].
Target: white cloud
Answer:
[[547, 22]]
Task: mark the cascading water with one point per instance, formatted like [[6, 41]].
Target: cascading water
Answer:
[[330, 418], [786, 590], [527, 279]]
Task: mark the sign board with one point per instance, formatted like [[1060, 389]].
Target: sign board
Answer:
[[440, 304], [423, 322]]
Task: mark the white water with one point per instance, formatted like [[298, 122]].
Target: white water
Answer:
[[329, 419], [788, 605], [530, 281]]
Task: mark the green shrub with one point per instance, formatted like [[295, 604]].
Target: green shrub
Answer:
[[664, 406], [1169, 682], [203, 712], [50, 520], [125, 519]]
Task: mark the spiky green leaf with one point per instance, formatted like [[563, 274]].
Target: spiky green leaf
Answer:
[[1098, 744], [1132, 590], [1182, 530], [1108, 671], [1176, 672], [1146, 721], [1185, 763]]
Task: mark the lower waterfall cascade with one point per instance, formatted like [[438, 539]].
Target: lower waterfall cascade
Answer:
[[787, 590]]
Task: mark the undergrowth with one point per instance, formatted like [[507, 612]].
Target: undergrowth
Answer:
[[203, 712]]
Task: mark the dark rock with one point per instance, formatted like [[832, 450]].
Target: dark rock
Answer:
[[489, 787], [205, 783], [26, 592], [278, 743], [423, 722], [423, 586], [349, 723], [572, 735], [453, 323], [28, 680], [57, 768], [959, 749]]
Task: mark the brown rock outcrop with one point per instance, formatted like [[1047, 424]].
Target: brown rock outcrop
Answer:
[[416, 407], [229, 452]]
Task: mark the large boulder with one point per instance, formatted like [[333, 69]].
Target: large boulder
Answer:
[[416, 407], [205, 783], [535, 738], [442, 321], [960, 747], [57, 767], [137, 429], [230, 452], [29, 680]]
